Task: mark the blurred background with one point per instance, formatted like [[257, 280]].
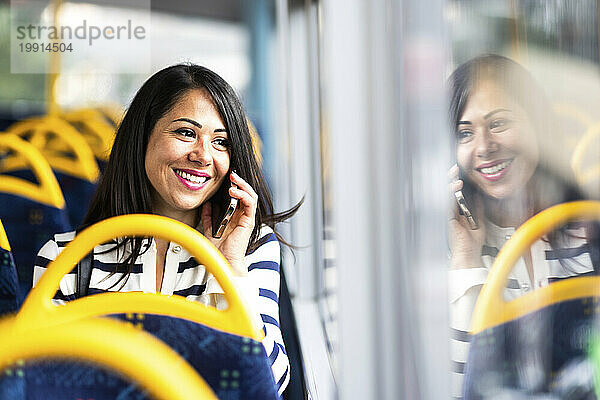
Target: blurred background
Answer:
[[349, 100]]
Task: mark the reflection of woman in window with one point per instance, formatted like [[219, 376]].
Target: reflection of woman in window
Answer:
[[500, 118], [182, 151]]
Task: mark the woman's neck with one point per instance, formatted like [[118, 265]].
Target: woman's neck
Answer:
[[509, 212], [189, 217]]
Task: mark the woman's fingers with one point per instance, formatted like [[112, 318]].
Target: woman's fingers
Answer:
[[453, 173], [243, 185], [244, 197], [245, 194], [455, 186]]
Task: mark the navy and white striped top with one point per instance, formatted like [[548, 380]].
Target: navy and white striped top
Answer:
[[465, 284], [184, 277]]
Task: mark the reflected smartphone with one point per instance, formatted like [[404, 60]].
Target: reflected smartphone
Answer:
[[462, 197], [228, 213], [464, 210]]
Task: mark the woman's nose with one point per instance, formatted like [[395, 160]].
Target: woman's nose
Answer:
[[201, 154], [485, 144]]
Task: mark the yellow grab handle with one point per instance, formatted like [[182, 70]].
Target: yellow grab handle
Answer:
[[3, 238], [84, 165], [48, 191], [97, 126], [491, 309], [39, 310], [582, 145], [134, 353]]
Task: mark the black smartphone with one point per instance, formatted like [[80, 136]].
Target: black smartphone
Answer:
[[463, 206], [228, 213]]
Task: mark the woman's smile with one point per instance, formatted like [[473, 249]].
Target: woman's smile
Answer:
[[495, 170], [193, 180]]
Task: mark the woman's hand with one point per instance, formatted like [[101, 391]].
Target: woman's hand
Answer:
[[234, 241], [465, 243]]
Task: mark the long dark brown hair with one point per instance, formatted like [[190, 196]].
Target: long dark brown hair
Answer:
[[124, 187]]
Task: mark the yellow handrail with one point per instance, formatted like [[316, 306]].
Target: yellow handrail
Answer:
[[134, 353], [236, 319], [98, 133], [491, 309], [582, 146], [48, 191], [83, 165]]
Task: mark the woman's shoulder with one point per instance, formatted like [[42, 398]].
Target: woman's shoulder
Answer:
[[63, 238], [55, 245], [267, 243], [266, 235], [266, 231]]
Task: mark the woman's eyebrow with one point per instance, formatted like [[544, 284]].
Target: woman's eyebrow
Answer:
[[220, 130], [191, 121], [464, 123], [488, 115]]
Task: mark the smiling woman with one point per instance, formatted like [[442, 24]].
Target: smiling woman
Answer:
[[173, 155], [500, 118], [187, 157]]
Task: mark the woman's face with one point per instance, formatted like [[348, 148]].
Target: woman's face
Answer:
[[187, 156], [497, 148]]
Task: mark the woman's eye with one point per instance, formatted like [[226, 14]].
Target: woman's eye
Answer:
[[188, 133], [221, 143], [464, 135], [499, 125]]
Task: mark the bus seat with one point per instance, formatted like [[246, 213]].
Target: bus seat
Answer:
[[98, 131], [69, 155], [9, 286], [31, 213], [29, 353], [224, 346], [78, 196], [536, 345]]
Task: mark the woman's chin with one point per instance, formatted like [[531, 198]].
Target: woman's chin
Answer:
[[508, 194], [501, 191]]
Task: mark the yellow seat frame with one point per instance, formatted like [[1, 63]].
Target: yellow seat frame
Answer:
[[83, 165], [38, 308], [134, 353], [48, 191], [491, 309]]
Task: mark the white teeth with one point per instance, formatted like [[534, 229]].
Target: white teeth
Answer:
[[190, 177], [496, 168]]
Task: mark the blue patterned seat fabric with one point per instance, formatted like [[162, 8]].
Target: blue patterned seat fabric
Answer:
[[78, 195], [29, 225], [540, 355], [9, 287], [236, 368]]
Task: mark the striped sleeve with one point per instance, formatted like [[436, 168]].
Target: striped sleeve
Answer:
[[263, 272], [464, 286], [260, 289], [47, 254]]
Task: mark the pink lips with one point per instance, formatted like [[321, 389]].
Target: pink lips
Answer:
[[192, 185], [497, 175]]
